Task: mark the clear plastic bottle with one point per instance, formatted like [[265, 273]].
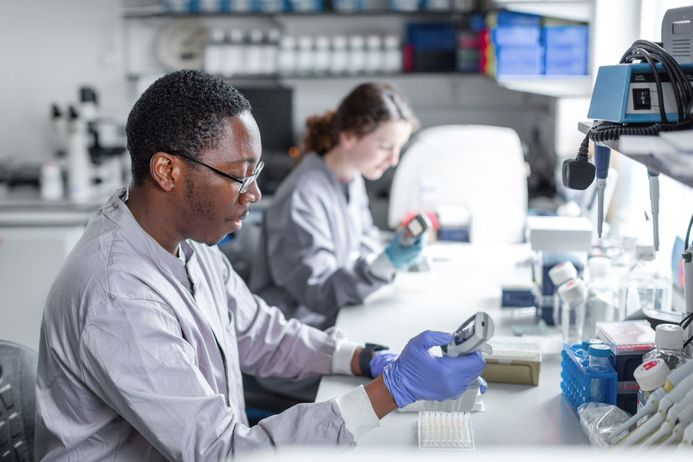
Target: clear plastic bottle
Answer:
[[573, 295], [374, 54], [393, 54], [304, 58], [645, 287], [357, 54], [599, 361], [286, 61], [321, 55], [232, 64], [582, 349], [339, 56], [669, 339], [214, 52], [271, 51], [253, 53], [560, 274], [601, 297], [650, 375]]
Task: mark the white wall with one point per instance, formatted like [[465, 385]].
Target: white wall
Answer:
[[48, 49]]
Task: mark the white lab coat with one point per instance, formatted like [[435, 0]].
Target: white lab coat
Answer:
[[141, 355], [317, 245]]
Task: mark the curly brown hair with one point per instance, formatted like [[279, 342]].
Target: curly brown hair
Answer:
[[359, 113]]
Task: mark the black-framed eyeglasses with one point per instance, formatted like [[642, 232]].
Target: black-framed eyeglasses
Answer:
[[244, 182]]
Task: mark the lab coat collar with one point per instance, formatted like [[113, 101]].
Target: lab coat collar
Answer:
[[319, 162], [119, 213]]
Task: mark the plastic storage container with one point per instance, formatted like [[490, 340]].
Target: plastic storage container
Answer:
[[573, 295], [599, 361], [559, 275], [601, 304], [669, 339], [650, 375], [581, 383], [628, 341], [645, 286]]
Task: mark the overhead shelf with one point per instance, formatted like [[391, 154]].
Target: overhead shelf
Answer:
[[556, 86], [572, 10], [158, 11], [276, 78], [663, 154]]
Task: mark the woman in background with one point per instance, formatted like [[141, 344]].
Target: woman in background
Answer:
[[320, 248]]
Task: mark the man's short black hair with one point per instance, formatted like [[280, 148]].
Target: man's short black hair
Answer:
[[182, 111]]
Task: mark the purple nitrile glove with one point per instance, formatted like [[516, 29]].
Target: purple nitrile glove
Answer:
[[417, 374], [381, 359]]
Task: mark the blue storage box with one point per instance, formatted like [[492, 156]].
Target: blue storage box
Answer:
[[519, 60], [566, 50], [238, 6], [432, 36], [577, 66], [516, 36], [436, 5], [304, 6], [571, 36], [511, 18], [268, 6], [347, 6]]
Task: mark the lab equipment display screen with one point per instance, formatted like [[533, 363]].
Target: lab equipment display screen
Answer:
[[465, 331], [272, 108], [273, 112]]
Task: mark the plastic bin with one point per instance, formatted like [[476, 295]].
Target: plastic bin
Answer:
[[577, 379]]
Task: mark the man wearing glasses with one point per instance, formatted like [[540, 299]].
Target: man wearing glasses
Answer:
[[147, 328]]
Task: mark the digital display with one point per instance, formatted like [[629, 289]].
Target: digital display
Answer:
[[681, 27], [415, 227], [465, 331]]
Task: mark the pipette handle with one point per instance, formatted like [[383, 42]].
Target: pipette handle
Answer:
[[601, 186], [653, 177], [602, 158], [688, 292]]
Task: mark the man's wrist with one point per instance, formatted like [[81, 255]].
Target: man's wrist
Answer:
[[380, 397]]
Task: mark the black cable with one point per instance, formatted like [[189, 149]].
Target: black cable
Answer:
[[656, 58], [681, 88], [688, 341], [686, 321], [607, 131], [688, 232], [641, 53], [678, 77]]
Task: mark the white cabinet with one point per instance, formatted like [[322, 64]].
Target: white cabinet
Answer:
[[30, 259]]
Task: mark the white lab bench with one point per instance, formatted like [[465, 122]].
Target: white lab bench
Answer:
[[463, 279], [35, 238]]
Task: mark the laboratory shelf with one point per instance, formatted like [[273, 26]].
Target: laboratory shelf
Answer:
[[159, 12], [572, 10], [271, 80], [549, 85], [654, 152]]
